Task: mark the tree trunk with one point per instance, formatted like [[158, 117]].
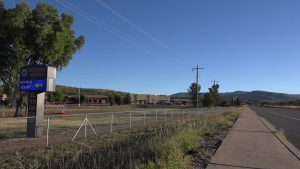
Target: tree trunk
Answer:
[[19, 107], [12, 97]]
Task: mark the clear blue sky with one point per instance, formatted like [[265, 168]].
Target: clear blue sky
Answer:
[[244, 44]]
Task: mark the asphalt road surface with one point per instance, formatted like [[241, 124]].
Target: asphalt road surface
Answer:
[[283, 118]]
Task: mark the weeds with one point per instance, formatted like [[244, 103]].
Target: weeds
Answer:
[[161, 146]]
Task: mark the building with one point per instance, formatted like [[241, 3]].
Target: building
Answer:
[[88, 99], [149, 99], [163, 100], [96, 99], [181, 101], [3, 97]]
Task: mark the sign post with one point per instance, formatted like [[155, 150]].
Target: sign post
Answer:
[[36, 80]]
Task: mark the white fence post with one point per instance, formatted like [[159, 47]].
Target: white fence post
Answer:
[[144, 119], [156, 116], [48, 125], [85, 124], [165, 116], [111, 122], [130, 121]]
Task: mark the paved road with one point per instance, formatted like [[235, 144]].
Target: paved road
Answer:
[[283, 118]]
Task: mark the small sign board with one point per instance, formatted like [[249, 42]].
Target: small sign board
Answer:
[[37, 78], [33, 85]]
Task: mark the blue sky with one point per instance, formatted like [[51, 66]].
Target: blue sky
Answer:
[[244, 44]]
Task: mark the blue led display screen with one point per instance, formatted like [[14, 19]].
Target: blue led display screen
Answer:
[[33, 85]]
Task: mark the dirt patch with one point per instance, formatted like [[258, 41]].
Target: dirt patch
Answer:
[[208, 147]]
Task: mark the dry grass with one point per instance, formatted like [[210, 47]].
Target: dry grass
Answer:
[[287, 106], [160, 146], [11, 128], [9, 112]]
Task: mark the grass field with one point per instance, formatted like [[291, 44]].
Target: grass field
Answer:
[[74, 109], [282, 106], [13, 128], [164, 145]]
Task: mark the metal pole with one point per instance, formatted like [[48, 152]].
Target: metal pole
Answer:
[[87, 121], [85, 124], [144, 119], [156, 116], [130, 121], [79, 97], [48, 125], [111, 122], [165, 115], [197, 87], [78, 129]]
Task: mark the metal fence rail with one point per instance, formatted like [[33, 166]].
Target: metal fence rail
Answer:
[[64, 128]]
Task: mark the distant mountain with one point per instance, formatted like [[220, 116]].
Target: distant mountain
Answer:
[[180, 95], [253, 96]]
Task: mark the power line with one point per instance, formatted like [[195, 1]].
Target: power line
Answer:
[[107, 27], [111, 29], [138, 28]]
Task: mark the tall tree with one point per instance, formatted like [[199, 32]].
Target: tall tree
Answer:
[[59, 96], [118, 99], [40, 36], [207, 100], [214, 93], [193, 93], [238, 102], [111, 99], [127, 99]]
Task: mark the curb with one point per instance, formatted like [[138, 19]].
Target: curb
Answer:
[[291, 148]]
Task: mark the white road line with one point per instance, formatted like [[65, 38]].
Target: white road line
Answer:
[[293, 118]]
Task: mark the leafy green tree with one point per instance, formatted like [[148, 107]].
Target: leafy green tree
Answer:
[[207, 100], [56, 96], [232, 102], [214, 93], [118, 99], [50, 97], [40, 36], [83, 98], [193, 93], [127, 99], [59, 97], [111, 99], [224, 103], [238, 102]]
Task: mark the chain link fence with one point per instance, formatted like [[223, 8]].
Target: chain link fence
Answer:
[[64, 128]]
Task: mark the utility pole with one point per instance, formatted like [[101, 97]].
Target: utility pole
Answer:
[[79, 97], [197, 69], [214, 81]]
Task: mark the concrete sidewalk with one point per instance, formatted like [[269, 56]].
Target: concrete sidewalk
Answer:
[[250, 144]]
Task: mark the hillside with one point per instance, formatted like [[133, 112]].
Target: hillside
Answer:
[[68, 90], [253, 96]]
